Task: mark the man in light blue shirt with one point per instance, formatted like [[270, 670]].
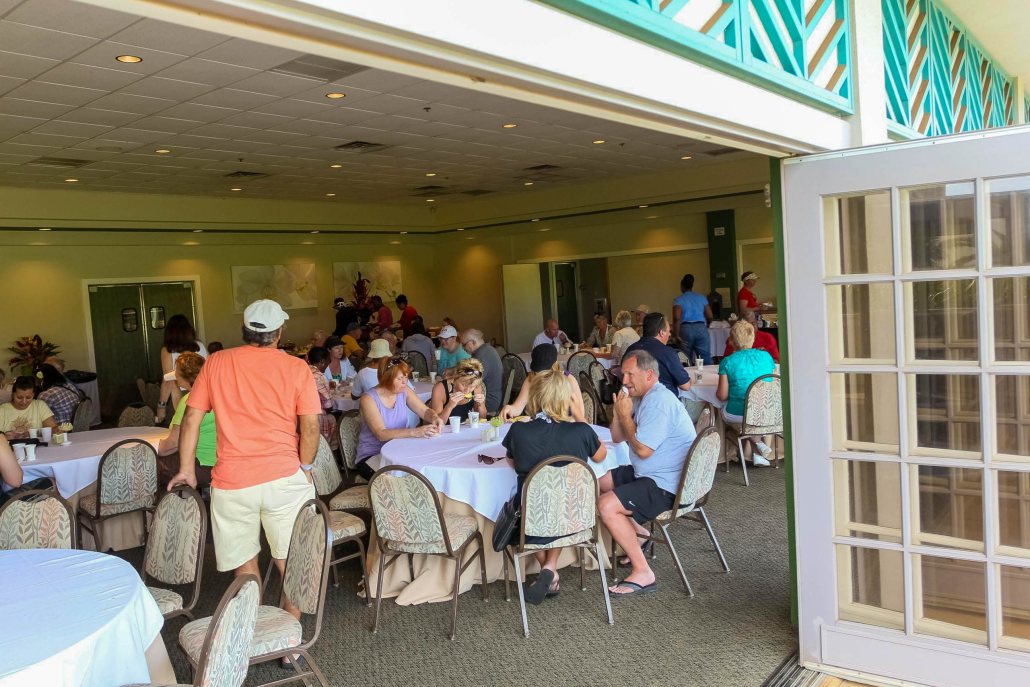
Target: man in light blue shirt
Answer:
[[451, 352], [655, 425], [690, 317]]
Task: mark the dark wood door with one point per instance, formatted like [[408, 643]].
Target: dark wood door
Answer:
[[119, 343], [160, 303]]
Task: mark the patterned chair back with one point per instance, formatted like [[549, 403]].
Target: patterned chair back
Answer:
[[699, 470], [559, 501], [587, 387], [37, 520], [579, 362], [349, 427], [307, 563], [226, 651], [325, 474], [418, 363], [597, 376], [588, 408], [405, 506], [705, 419], [684, 358], [149, 393], [501, 350], [514, 374], [128, 472], [136, 416], [81, 415], [763, 406], [176, 538]]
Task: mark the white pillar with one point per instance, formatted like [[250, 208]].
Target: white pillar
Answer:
[[869, 123], [1019, 114]]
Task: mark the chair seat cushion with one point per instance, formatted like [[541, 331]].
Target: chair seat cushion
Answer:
[[459, 529], [351, 499], [274, 630], [683, 510], [167, 600], [88, 504], [577, 538], [345, 525]]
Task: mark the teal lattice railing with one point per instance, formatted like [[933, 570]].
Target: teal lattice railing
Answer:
[[939, 79], [800, 48]]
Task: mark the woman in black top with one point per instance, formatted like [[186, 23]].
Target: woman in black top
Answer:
[[550, 433], [463, 393]]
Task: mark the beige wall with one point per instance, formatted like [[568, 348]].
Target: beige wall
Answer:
[[654, 279]]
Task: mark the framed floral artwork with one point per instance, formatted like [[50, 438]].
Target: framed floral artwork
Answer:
[[292, 286], [384, 279]]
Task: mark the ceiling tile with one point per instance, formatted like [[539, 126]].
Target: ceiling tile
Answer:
[[270, 83], [249, 54], [256, 120], [288, 107], [75, 129], [222, 131], [344, 115], [388, 104], [172, 89], [351, 95], [307, 127], [87, 76], [24, 66], [207, 72], [135, 104], [189, 141], [92, 115], [103, 55], [54, 93], [32, 108], [33, 139], [9, 83], [133, 135], [159, 35], [200, 113], [73, 17], [167, 125], [378, 80], [235, 99], [270, 137]]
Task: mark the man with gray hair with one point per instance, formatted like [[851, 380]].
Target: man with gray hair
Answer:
[[473, 343], [658, 430]]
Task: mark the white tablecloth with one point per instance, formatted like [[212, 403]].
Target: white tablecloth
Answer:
[[705, 390], [75, 467], [564, 358], [74, 619], [424, 390], [450, 463], [717, 339], [92, 390]]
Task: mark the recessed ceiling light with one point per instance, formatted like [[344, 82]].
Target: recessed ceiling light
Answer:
[[641, 206], [535, 219], [528, 183], [162, 151], [599, 141], [44, 228], [236, 189], [430, 200], [315, 231], [336, 166], [469, 238], [685, 157], [198, 231], [71, 180], [395, 242], [336, 95], [546, 229], [653, 217], [404, 232], [330, 194], [461, 230], [132, 59], [430, 174], [509, 126]]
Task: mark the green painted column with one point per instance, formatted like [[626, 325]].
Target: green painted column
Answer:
[[775, 189]]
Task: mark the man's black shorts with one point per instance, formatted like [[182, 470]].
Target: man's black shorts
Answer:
[[640, 494]]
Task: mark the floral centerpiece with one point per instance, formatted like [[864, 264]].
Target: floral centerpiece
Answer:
[[30, 352], [362, 302]]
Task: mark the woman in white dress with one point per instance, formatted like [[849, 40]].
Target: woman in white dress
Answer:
[[179, 336]]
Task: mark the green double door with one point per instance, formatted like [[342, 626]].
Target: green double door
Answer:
[[128, 332]]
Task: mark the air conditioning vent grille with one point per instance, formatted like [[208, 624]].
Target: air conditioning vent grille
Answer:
[[58, 162], [320, 68], [246, 175], [541, 168], [361, 147]]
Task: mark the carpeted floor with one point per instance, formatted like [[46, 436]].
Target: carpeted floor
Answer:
[[734, 632]]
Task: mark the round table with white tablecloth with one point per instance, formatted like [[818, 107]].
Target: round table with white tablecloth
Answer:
[[77, 619], [73, 469], [563, 358], [467, 487], [344, 401], [717, 338]]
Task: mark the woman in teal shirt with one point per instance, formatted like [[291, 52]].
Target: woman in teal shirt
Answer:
[[736, 372]]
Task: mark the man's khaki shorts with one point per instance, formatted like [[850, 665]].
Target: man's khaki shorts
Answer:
[[237, 516]]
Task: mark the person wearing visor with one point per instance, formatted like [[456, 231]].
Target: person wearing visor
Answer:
[[746, 297]]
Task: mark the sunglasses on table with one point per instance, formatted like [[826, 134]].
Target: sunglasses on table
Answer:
[[489, 460]]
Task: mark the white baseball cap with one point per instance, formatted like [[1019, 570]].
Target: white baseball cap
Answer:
[[264, 316], [447, 332]]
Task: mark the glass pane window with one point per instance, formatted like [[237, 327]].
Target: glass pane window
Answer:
[[871, 586], [950, 598], [1012, 415], [1011, 318], [1015, 608], [944, 415], [858, 234], [1014, 512], [949, 507], [944, 320], [864, 412], [130, 320], [1010, 221], [939, 224], [157, 317], [861, 323], [867, 499]]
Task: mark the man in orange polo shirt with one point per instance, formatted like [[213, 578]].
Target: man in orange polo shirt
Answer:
[[260, 396]]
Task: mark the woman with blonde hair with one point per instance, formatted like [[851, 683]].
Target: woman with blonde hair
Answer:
[[462, 393], [736, 372], [543, 358], [187, 368], [550, 433]]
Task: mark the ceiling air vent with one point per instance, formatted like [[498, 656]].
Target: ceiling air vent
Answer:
[[361, 147], [476, 192], [706, 149], [321, 68], [58, 162], [430, 194], [246, 175], [541, 168], [429, 188]]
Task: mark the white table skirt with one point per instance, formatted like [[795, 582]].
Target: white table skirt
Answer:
[[74, 619], [75, 467], [450, 463], [717, 338], [705, 391], [424, 390], [564, 358], [92, 390]]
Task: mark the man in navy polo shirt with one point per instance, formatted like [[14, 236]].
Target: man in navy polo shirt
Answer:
[[655, 337]]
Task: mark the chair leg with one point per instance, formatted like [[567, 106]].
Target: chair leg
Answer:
[[775, 462], [676, 558], [599, 552], [379, 591], [522, 594], [582, 569], [411, 566], [454, 599], [336, 571], [482, 568], [364, 572], [743, 463], [268, 577], [654, 549], [314, 669], [711, 533]]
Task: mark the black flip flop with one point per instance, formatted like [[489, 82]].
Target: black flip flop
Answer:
[[553, 592], [637, 589], [538, 590]]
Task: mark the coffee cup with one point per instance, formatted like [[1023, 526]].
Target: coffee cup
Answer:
[[46, 433], [19, 452], [438, 353], [414, 375], [33, 433], [473, 419], [30, 452], [455, 424], [432, 377], [60, 438], [575, 348]]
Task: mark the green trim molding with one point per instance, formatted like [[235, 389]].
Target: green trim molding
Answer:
[[939, 79], [775, 44]]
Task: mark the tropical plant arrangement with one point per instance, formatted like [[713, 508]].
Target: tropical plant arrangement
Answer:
[[362, 302], [29, 353]]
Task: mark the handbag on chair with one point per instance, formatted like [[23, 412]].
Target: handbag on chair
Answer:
[[507, 524]]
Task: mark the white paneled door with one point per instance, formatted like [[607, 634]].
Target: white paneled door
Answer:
[[908, 282]]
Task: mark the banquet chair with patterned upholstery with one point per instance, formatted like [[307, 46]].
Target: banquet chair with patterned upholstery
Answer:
[[136, 415], [763, 415], [513, 371], [601, 416], [81, 415], [149, 393], [418, 363], [501, 350], [175, 549], [277, 634], [684, 358], [695, 486], [37, 519], [588, 408], [126, 483], [706, 418], [354, 499], [225, 652], [559, 501], [579, 362], [409, 520]]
